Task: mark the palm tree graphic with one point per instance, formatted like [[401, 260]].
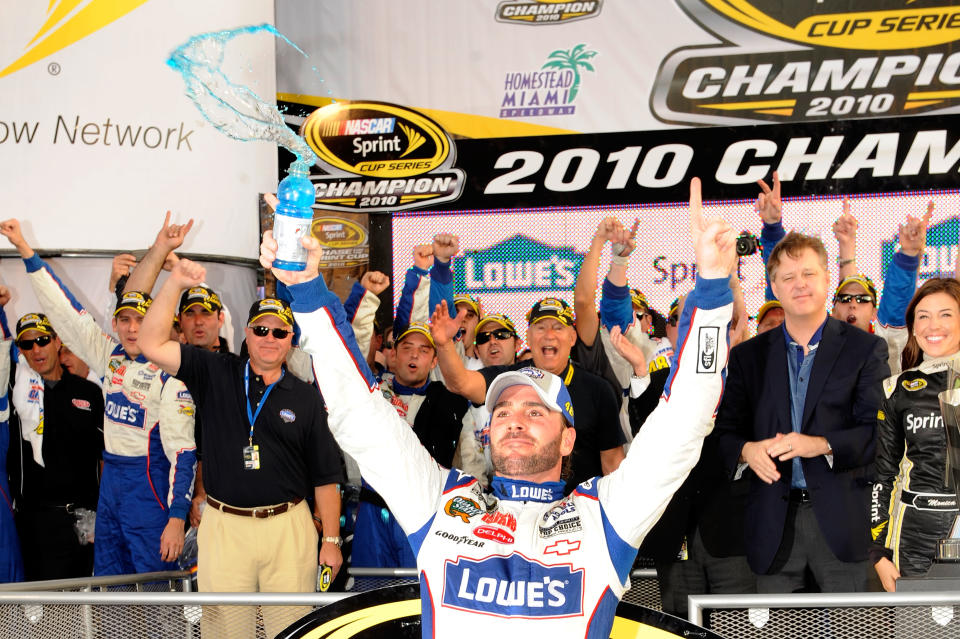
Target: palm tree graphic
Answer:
[[574, 59]]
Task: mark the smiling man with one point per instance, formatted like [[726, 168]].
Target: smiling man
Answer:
[[800, 408], [522, 554]]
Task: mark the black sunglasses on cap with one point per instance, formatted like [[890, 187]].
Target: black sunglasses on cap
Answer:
[[27, 344], [263, 331], [846, 298], [501, 334]]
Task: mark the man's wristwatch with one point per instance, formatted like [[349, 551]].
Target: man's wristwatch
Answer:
[[337, 541]]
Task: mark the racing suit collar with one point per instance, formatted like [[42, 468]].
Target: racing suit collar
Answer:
[[519, 490], [400, 389]]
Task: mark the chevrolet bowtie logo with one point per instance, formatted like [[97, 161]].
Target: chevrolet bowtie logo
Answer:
[[69, 21], [562, 547]]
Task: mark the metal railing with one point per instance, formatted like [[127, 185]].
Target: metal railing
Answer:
[[171, 581], [802, 615]]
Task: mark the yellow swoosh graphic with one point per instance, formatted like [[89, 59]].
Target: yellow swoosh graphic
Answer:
[[92, 17]]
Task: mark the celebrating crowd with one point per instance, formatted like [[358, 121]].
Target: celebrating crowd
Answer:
[[809, 456]]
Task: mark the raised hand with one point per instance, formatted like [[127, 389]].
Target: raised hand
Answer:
[[769, 204], [624, 241], [423, 256], [714, 240], [845, 228], [375, 282], [629, 351], [913, 234], [445, 246], [443, 327], [171, 236], [268, 253], [10, 229], [122, 265], [188, 273]]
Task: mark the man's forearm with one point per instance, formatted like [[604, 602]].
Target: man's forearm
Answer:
[[457, 378], [154, 339], [145, 274], [327, 499]]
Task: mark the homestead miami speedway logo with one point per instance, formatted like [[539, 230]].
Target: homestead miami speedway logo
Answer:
[[812, 60], [380, 157]]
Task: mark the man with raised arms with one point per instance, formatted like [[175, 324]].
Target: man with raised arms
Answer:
[[521, 552]]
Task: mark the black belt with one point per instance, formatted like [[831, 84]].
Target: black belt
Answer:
[[371, 497], [799, 496]]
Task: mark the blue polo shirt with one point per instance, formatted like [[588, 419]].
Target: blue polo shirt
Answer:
[[800, 367]]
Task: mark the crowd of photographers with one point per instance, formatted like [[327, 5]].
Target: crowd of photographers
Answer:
[[824, 470]]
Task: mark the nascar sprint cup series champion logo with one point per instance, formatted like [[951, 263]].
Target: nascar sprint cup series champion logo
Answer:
[[808, 60], [380, 157]]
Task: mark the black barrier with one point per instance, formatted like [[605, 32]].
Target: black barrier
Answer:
[[394, 613]]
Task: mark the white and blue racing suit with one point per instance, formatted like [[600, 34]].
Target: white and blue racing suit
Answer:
[[150, 453], [520, 551]]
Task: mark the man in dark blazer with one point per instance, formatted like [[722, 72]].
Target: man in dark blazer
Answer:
[[800, 408]]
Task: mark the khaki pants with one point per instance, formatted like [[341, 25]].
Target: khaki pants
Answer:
[[246, 554]]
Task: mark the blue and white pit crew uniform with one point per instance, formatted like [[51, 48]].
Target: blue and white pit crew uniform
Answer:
[[150, 453], [520, 551]]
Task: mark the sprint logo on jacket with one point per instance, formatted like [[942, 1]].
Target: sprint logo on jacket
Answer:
[[513, 586], [121, 410]]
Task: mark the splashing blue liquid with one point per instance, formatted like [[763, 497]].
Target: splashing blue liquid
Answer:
[[235, 109]]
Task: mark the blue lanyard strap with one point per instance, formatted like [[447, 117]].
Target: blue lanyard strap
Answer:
[[251, 415]]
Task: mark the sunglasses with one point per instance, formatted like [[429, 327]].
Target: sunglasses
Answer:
[[27, 344], [501, 334], [846, 298], [263, 331]]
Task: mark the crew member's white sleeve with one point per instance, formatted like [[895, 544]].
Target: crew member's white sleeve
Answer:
[[363, 422], [77, 328], [896, 339], [363, 320], [668, 446]]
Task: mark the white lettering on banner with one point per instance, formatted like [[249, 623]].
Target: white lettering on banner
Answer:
[[550, 274]]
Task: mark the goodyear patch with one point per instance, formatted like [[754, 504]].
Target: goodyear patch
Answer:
[[463, 508], [189, 411], [914, 384]]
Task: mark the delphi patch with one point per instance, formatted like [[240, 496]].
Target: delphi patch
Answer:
[[708, 340]]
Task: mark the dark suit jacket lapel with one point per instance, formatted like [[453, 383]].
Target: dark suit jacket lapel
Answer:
[[831, 343], [777, 384]]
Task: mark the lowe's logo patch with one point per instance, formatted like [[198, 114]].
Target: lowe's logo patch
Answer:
[[513, 586], [121, 410]]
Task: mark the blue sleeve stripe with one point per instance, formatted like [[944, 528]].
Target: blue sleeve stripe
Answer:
[[352, 303], [601, 620], [417, 538], [622, 554], [616, 309], [405, 306], [183, 474], [427, 612], [683, 334], [34, 264], [900, 283], [441, 287], [770, 236], [308, 297]]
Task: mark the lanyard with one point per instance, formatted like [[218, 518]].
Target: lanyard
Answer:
[[252, 416]]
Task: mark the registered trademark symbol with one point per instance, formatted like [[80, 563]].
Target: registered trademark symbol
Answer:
[[53, 68]]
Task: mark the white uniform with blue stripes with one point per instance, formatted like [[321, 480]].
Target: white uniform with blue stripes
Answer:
[[520, 551]]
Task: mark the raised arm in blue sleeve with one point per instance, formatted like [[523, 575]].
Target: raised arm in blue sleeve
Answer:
[[770, 236], [616, 309], [441, 286], [899, 285], [405, 306]]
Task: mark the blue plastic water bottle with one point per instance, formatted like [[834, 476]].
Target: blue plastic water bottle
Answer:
[[292, 219]]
